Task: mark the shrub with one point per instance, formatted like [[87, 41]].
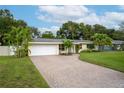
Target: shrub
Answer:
[[88, 51], [21, 52], [94, 50], [68, 44], [122, 47]]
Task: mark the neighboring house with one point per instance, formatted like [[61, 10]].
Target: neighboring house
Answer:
[[41, 46], [116, 45]]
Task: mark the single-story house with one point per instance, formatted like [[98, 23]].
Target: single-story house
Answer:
[[42, 46], [54, 46]]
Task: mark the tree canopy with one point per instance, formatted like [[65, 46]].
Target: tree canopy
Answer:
[[101, 40], [7, 22], [73, 30], [47, 34], [68, 30], [18, 39]]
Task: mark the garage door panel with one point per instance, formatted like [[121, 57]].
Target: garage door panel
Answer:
[[37, 50]]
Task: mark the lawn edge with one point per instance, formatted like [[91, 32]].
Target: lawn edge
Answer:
[[105, 66]]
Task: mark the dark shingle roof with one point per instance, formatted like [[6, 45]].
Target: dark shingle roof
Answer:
[[56, 40], [75, 41], [118, 42], [46, 40]]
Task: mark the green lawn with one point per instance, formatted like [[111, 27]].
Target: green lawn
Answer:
[[113, 60], [20, 72]]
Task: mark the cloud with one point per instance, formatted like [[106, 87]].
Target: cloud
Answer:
[[121, 7], [70, 11], [61, 14], [90, 19], [53, 29], [114, 16], [112, 19]]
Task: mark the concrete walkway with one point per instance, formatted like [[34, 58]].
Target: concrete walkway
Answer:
[[69, 71]]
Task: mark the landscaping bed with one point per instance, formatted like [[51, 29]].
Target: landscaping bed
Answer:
[[20, 72], [113, 60]]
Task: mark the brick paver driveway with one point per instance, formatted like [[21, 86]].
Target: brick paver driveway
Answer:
[[69, 71]]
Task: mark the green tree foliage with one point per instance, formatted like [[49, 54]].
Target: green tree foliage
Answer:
[[20, 23], [18, 38], [101, 40], [68, 30], [67, 44], [118, 35], [99, 29], [81, 31], [48, 34], [6, 22], [35, 32], [88, 32], [103, 30], [110, 32], [73, 30]]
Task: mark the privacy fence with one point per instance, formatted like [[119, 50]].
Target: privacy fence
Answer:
[[6, 51]]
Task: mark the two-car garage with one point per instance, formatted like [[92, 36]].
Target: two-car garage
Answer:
[[43, 49]]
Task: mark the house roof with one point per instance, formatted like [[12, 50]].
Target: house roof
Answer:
[[60, 41], [117, 42], [46, 40]]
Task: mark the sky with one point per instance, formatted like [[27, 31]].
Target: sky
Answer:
[[50, 18]]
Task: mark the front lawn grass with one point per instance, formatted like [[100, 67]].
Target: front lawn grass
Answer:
[[113, 60], [19, 72]]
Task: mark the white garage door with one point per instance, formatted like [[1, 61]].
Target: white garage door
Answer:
[[37, 50]]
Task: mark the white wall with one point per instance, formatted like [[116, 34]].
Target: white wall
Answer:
[[11, 50], [45, 50], [84, 46], [6, 51], [74, 49]]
